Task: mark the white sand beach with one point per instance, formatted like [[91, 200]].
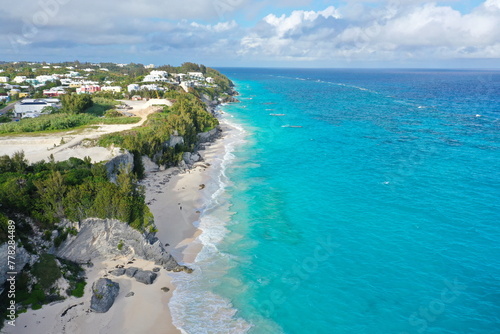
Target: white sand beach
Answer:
[[175, 198]]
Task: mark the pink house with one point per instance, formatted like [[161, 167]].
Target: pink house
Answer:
[[88, 89]]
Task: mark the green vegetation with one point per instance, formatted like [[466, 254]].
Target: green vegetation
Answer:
[[47, 123], [186, 118], [60, 122], [100, 105], [46, 271], [74, 189], [79, 289], [76, 103]]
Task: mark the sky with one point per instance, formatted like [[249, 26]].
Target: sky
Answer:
[[265, 33]]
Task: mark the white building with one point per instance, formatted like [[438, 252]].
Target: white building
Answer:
[[19, 79], [196, 75], [210, 80], [4, 79], [116, 89], [29, 108], [133, 87], [152, 87], [150, 66], [156, 76], [42, 79], [186, 85]]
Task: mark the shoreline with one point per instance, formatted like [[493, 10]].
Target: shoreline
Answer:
[[176, 198]]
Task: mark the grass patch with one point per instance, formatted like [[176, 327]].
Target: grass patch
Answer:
[[79, 289], [119, 120], [46, 270], [101, 105], [59, 122]]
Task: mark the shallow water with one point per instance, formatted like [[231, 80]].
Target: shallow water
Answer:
[[378, 215]]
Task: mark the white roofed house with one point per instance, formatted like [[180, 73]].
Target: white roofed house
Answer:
[[210, 80], [156, 76], [115, 89], [196, 75], [19, 79], [30, 108], [133, 87], [4, 79]]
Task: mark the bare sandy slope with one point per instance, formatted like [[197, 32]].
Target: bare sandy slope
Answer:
[[63, 145]]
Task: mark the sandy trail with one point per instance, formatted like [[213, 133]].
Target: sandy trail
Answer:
[[63, 145]]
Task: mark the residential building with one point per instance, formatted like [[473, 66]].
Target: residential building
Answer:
[[66, 82], [4, 79], [33, 107], [42, 79], [116, 89], [210, 80], [196, 75], [150, 66], [150, 87], [133, 87], [186, 85], [19, 79], [54, 92], [88, 89], [156, 76]]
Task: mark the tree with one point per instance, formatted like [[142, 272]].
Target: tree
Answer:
[[76, 103]]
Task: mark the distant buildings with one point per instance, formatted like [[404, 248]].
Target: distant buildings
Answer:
[[88, 89], [115, 89], [156, 76], [196, 75], [133, 87], [4, 79], [54, 92], [19, 79]]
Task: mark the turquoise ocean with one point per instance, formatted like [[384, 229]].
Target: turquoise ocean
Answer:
[[352, 201]]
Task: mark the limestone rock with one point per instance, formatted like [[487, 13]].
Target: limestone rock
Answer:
[[130, 272], [117, 272], [22, 258], [99, 238], [113, 166], [104, 294], [145, 276], [208, 136]]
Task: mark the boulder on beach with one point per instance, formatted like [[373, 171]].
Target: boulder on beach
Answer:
[[130, 272], [145, 276], [118, 272], [104, 294]]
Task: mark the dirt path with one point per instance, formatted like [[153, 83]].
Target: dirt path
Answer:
[[63, 145]]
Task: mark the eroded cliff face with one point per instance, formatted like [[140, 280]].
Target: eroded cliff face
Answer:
[[123, 160], [21, 258], [110, 239]]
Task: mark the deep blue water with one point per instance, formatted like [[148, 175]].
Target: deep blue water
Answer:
[[380, 214]]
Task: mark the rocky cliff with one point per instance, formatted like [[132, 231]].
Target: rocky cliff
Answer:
[[110, 238], [123, 160]]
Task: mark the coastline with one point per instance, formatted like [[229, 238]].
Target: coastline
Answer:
[[176, 199]]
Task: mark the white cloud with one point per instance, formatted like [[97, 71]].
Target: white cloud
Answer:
[[401, 31], [381, 31]]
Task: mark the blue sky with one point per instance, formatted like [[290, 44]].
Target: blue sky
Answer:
[[285, 33]]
